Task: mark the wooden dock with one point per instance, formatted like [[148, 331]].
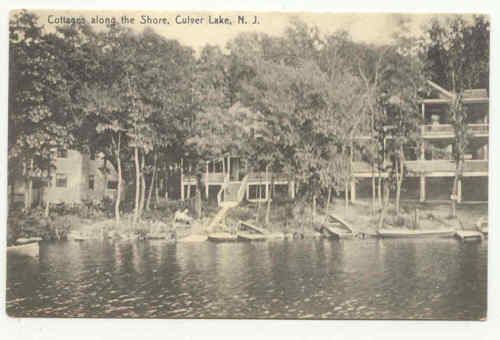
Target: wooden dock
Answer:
[[469, 235]]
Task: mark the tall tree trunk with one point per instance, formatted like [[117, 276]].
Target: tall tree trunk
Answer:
[[137, 184], [12, 193], [143, 186], [379, 189], [119, 174], [454, 195], [346, 196], [374, 198], [313, 211], [198, 202], [399, 179], [152, 184], [329, 199], [28, 184], [157, 190], [384, 208]]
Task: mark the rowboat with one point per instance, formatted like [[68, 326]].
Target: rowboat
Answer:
[[409, 233], [222, 237], [251, 237], [482, 225], [29, 249], [334, 231], [469, 235], [244, 226], [336, 227]]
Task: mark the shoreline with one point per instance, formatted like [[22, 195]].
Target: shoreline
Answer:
[[286, 219]]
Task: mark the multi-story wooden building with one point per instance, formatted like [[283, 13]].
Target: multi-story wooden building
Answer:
[[431, 169], [75, 177]]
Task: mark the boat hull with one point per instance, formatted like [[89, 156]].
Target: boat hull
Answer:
[[385, 233], [29, 249], [251, 237], [222, 237]]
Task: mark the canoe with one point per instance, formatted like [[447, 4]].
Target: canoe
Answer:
[[24, 240], [30, 249], [408, 233], [251, 237], [222, 237]]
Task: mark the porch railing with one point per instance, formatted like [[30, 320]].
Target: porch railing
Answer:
[[222, 188]]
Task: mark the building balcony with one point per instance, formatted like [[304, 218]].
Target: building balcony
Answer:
[[447, 131], [429, 168]]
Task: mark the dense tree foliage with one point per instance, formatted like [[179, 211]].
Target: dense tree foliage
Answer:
[[296, 104]]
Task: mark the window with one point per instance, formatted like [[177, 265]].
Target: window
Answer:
[[91, 182], [112, 185], [218, 166], [62, 153], [256, 191], [92, 155], [61, 180]]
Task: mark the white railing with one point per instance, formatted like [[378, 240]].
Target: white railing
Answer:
[[222, 188], [242, 189], [430, 129]]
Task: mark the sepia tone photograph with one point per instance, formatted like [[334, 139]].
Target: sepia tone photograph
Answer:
[[247, 165]]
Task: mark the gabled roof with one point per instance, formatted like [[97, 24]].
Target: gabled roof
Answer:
[[470, 95]]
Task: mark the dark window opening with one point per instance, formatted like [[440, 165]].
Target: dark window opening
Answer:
[[91, 182], [112, 185], [61, 180], [62, 153]]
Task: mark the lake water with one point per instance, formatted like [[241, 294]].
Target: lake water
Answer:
[[310, 278]]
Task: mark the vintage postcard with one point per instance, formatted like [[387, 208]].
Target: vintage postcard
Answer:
[[247, 165]]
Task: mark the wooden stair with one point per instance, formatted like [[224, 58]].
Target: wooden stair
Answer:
[[233, 194]]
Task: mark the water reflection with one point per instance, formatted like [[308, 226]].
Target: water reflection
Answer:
[[311, 278]]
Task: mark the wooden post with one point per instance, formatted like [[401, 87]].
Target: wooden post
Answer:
[[353, 191], [291, 189], [459, 191], [182, 179], [206, 181], [422, 188]]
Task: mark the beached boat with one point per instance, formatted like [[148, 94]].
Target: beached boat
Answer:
[[222, 237], [30, 249], [469, 235], [251, 237], [246, 226], [24, 240], [410, 233], [482, 225], [336, 227], [334, 231]]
